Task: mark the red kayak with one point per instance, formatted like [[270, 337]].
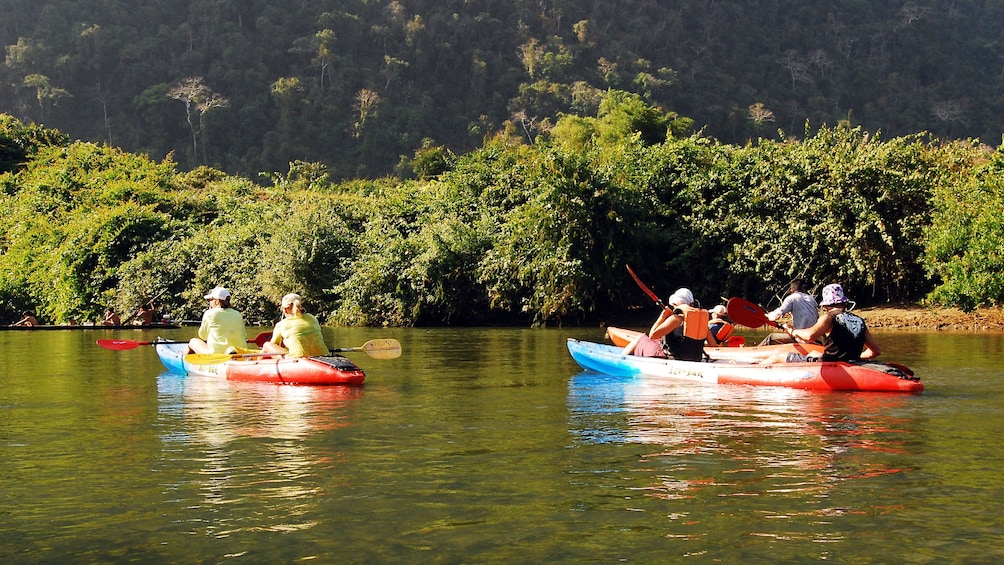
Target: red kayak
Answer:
[[328, 370]]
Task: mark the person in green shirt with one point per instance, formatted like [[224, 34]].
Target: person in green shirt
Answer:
[[222, 329], [298, 334]]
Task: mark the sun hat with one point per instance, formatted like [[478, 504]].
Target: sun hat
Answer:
[[218, 293], [681, 296], [291, 298], [833, 295]]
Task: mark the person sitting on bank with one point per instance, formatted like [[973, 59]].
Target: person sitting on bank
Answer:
[[27, 320], [678, 333], [111, 318], [844, 335], [298, 334], [720, 328], [222, 329], [802, 307], [144, 316]]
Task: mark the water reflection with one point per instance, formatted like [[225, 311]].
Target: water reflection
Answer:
[[250, 453], [742, 441]]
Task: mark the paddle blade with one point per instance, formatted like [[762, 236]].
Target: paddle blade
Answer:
[[377, 348], [119, 344], [382, 348], [207, 358], [261, 339], [745, 313]]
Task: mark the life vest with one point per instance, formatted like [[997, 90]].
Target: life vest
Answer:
[[846, 339], [686, 342], [721, 331]]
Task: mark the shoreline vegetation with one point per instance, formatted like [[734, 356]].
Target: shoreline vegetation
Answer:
[[917, 317], [511, 233]]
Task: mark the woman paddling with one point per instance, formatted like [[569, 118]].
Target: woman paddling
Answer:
[[222, 327], [298, 334], [845, 336]]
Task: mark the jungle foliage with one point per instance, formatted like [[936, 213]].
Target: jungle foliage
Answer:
[[510, 233], [250, 85]]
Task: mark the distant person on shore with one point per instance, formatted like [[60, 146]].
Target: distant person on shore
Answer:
[[27, 320], [802, 307], [144, 316], [298, 334], [844, 335], [222, 328], [111, 318]]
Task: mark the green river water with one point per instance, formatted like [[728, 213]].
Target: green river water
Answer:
[[492, 446]]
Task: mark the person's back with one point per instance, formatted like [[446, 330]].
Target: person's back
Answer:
[[686, 341], [301, 336], [223, 328], [846, 338], [803, 308]]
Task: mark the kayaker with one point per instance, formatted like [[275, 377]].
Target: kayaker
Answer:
[[679, 331], [720, 328], [222, 327], [844, 335], [298, 334], [802, 307], [111, 318], [27, 320]]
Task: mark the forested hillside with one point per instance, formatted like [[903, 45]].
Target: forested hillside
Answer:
[[509, 233], [248, 86]]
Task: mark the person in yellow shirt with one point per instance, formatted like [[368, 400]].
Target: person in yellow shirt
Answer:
[[298, 334], [222, 327]]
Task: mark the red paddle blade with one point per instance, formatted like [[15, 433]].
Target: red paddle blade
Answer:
[[120, 344], [261, 339], [745, 313]]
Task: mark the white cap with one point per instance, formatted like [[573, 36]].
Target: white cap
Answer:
[[291, 298], [218, 293], [681, 296]]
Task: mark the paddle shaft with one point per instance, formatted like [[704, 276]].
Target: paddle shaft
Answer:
[[375, 348], [126, 344], [133, 315], [645, 288]]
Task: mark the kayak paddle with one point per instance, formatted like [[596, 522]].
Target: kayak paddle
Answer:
[[375, 348], [745, 313], [124, 344], [645, 288]]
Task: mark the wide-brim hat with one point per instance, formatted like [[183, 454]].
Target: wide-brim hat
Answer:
[[833, 295]]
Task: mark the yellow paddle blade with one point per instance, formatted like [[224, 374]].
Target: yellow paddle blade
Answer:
[[382, 348], [377, 348], [206, 358]]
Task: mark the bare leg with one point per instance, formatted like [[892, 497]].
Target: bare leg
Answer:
[[269, 347]]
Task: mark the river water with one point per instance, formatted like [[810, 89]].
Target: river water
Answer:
[[492, 446]]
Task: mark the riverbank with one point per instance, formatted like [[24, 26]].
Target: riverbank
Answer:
[[911, 316]]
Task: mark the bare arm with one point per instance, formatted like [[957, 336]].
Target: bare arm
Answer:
[[666, 323], [823, 324], [872, 349]]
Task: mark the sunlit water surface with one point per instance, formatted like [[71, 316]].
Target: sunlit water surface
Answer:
[[491, 446]]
